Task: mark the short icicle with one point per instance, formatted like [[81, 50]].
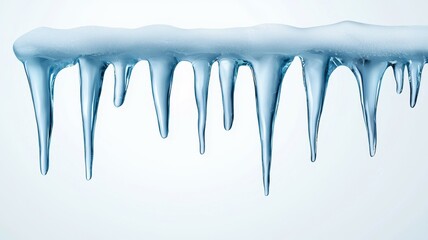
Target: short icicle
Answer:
[[268, 73], [41, 77], [369, 77], [316, 72], [228, 70], [202, 70], [161, 72], [414, 68], [399, 76], [91, 79], [122, 73]]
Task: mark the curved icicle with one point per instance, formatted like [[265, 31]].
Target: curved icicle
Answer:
[[268, 73], [122, 73], [91, 80], [369, 77], [399, 76], [202, 71], [414, 68], [41, 77], [161, 72], [316, 71], [228, 69]]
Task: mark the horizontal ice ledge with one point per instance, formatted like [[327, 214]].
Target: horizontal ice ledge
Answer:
[[345, 39], [267, 49]]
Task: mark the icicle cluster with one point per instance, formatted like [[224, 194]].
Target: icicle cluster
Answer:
[[267, 49]]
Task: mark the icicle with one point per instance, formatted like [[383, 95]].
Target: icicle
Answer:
[[414, 68], [202, 70], [122, 73], [228, 70], [369, 76], [268, 74], [316, 71], [399, 75], [41, 76], [161, 72], [91, 79]]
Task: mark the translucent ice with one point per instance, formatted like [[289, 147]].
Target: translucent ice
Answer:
[[267, 49]]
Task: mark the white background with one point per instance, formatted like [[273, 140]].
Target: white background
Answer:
[[145, 187]]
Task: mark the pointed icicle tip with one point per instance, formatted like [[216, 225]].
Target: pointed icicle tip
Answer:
[[122, 74], [266, 190], [44, 169], [228, 69], [369, 77], [91, 79], [161, 72], [414, 68], [88, 175], [268, 73], [202, 71], [316, 71], [373, 150]]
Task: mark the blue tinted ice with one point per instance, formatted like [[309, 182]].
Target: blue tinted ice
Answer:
[[267, 49]]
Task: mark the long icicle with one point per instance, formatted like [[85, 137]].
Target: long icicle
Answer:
[[202, 70], [316, 72], [91, 80], [369, 77], [41, 77], [161, 72], [268, 73]]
